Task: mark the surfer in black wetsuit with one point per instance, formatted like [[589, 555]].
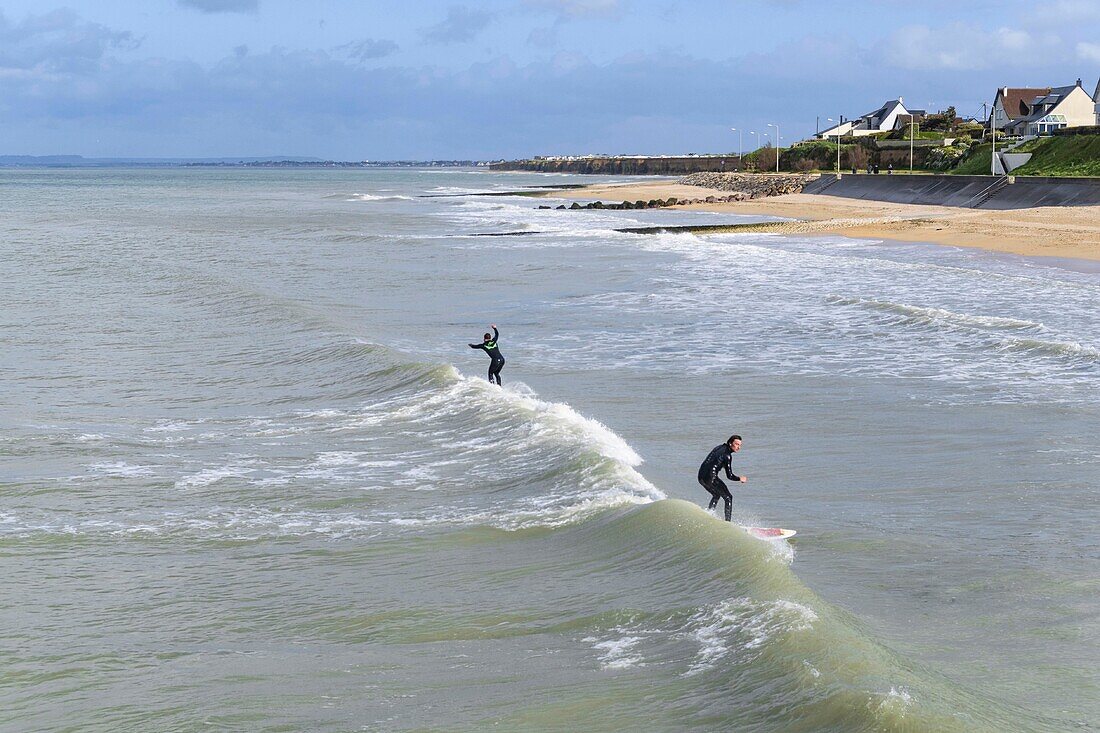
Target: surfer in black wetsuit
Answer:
[[489, 346], [718, 459]]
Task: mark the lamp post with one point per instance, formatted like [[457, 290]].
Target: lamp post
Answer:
[[993, 132], [838, 124], [776, 146], [912, 137], [739, 147]]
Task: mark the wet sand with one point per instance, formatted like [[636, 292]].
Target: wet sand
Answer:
[[1056, 231]]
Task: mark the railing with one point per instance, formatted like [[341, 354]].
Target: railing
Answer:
[[986, 193]]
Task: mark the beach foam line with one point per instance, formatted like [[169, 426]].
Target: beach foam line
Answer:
[[764, 227]]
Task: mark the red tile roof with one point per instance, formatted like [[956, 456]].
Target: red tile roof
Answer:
[[1016, 101]]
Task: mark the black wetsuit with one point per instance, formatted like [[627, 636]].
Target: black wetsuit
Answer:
[[719, 458], [490, 347]]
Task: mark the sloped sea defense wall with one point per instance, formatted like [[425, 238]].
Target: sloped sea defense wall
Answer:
[[964, 191]]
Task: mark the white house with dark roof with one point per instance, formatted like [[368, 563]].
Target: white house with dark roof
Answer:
[[1054, 109], [1096, 99], [883, 119]]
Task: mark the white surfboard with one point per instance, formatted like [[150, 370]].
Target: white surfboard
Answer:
[[770, 533]]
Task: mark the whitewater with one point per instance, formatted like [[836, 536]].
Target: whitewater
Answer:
[[252, 478]]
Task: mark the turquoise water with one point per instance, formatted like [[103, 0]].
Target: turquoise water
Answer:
[[251, 476]]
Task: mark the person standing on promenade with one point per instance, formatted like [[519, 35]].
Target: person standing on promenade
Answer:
[[489, 346], [721, 458]]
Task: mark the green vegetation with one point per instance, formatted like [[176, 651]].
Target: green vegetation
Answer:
[[905, 134], [1063, 156], [946, 157], [978, 161]]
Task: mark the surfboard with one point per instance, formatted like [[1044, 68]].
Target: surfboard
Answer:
[[770, 533]]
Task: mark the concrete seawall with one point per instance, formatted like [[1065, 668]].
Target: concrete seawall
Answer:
[[982, 192]]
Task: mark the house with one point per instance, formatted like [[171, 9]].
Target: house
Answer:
[[883, 119], [1049, 110], [1012, 103], [904, 121], [1096, 99]]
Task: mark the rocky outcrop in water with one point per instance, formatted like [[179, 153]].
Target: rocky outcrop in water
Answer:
[[654, 203]]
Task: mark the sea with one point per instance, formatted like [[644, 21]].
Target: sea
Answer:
[[253, 478]]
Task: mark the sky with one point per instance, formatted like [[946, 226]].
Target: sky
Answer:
[[419, 79]]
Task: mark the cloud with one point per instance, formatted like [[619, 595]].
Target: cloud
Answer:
[[1089, 52], [543, 37], [461, 25], [367, 48], [963, 47], [576, 8], [222, 6], [1062, 12], [69, 85], [58, 41]]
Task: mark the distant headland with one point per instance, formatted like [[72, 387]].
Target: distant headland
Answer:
[[79, 161]]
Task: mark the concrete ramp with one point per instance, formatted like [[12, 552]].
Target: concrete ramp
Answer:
[[962, 191]]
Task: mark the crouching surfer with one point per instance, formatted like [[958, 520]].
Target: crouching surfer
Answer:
[[721, 458], [489, 346]]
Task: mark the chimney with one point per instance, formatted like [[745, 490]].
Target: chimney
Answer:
[[1078, 81]]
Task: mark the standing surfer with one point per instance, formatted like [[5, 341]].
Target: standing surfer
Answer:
[[721, 458], [489, 346]]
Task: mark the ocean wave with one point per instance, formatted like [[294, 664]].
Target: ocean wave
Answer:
[[616, 653], [1066, 349], [938, 316], [374, 197], [773, 640], [746, 624], [218, 523]]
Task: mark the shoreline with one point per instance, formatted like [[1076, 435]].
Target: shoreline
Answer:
[[1056, 231]]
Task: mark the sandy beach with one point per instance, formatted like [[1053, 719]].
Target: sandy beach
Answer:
[[1072, 232]]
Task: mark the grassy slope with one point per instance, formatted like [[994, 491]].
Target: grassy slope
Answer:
[[978, 161], [1064, 156]]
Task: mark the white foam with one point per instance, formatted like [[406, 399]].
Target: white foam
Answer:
[[939, 315], [563, 419], [743, 625], [209, 476], [121, 469], [213, 523], [896, 701], [373, 197], [616, 653]]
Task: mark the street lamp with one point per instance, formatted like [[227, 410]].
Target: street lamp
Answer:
[[993, 131], [739, 148], [912, 138], [838, 124], [776, 146]]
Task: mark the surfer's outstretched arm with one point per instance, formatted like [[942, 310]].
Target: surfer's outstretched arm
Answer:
[[496, 333], [475, 346], [731, 475]]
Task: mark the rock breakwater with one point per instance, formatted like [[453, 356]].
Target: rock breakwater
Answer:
[[752, 185]]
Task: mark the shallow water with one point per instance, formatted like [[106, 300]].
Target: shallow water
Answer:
[[252, 477]]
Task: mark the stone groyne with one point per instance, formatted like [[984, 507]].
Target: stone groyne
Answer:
[[739, 187]]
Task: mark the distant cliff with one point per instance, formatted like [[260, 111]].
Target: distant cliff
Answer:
[[624, 165]]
